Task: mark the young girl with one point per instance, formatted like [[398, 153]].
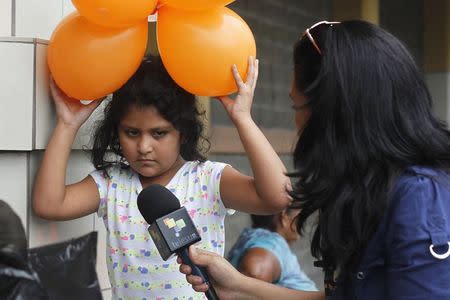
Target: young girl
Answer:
[[152, 128]]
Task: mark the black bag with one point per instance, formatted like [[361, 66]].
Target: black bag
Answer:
[[17, 280], [67, 269]]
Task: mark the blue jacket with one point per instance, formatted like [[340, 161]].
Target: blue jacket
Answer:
[[398, 263]]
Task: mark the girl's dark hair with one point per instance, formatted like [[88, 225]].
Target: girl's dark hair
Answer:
[[370, 119], [268, 222], [151, 85]]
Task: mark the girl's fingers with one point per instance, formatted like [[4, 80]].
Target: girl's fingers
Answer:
[[226, 101], [256, 75], [251, 71], [252, 74], [54, 89], [57, 93], [237, 77]]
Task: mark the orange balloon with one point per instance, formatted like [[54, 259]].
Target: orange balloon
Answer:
[[195, 4], [88, 61], [115, 13], [198, 49]]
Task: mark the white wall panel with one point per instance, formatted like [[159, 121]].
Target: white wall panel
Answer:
[[16, 95], [5, 17], [13, 182], [44, 232], [37, 18], [45, 110]]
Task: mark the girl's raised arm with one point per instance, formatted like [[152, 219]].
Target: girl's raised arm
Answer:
[[52, 199], [266, 192]]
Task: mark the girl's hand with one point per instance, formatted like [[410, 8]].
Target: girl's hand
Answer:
[[71, 111], [239, 108], [223, 276]]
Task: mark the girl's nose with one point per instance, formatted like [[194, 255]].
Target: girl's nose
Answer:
[[145, 145]]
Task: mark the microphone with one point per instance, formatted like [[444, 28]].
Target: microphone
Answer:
[[171, 228]]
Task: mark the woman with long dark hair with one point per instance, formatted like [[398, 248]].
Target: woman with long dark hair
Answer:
[[373, 162]]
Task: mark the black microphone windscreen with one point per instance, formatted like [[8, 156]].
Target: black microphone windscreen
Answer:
[[156, 201]]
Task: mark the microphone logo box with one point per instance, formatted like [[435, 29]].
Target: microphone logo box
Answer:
[[173, 232], [177, 225]]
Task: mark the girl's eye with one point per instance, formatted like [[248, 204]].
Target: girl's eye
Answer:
[[159, 134], [132, 132]]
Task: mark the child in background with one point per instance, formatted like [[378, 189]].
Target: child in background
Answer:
[[263, 251], [152, 128]]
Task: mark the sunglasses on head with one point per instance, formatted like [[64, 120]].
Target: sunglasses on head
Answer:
[[310, 37]]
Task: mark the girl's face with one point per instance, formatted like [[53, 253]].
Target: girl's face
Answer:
[[300, 106], [150, 144]]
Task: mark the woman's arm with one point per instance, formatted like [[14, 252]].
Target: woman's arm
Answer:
[[266, 192], [230, 284], [52, 199]]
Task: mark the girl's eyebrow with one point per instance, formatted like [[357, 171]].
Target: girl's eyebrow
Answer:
[[161, 128], [157, 128]]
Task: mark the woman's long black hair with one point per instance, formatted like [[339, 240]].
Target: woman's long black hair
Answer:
[[371, 117], [151, 85]]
